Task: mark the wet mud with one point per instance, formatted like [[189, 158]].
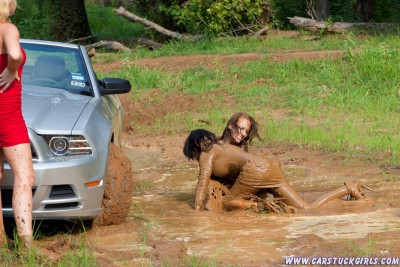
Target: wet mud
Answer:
[[163, 229], [165, 194]]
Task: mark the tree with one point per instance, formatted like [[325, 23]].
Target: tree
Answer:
[[322, 9], [69, 20], [366, 10]]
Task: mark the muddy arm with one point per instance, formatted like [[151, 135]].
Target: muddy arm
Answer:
[[205, 164]]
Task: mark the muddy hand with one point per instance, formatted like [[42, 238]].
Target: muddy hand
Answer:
[[257, 207]]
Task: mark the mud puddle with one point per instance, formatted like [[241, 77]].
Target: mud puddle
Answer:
[[164, 199]]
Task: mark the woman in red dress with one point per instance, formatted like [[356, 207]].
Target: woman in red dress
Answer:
[[14, 140]]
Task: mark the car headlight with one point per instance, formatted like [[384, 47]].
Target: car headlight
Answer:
[[68, 145]]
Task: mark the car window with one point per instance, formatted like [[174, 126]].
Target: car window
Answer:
[[55, 67]]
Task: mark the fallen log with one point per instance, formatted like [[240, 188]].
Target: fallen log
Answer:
[[108, 44], [263, 30], [340, 27], [123, 12], [149, 43]]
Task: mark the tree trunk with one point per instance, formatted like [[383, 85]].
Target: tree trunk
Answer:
[[69, 20], [322, 9], [366, 10]]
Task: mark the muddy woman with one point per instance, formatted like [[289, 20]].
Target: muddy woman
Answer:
[[253, 174], [14, 140], [240, 130]]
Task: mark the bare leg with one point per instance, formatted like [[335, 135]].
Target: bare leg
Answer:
[[20, 159], [350, 187], [3, 240], [335, 194], [291, 197]]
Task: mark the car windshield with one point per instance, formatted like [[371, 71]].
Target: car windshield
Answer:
[[55, 67]]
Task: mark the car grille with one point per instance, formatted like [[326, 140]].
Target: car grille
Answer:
[[60, 192], [6, 197], [57, 192]]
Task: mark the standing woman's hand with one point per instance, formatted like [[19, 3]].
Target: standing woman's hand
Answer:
[[6, 78]]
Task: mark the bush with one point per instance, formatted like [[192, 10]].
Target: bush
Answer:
[[220, 16]]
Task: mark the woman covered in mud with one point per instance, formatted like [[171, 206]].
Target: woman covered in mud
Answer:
[[240, 129], [252, 173]]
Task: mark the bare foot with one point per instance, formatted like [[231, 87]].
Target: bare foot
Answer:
[[25, 241], [354, 188]]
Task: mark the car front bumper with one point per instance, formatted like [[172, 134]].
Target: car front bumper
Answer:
[[61, 188]]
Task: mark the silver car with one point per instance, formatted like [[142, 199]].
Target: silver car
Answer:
[[74, 122]]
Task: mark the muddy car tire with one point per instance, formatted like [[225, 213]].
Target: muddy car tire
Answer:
[[118, 189]]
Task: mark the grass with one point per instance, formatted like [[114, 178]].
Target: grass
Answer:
[[79, 255], [106, 25], [345, 104], [362, 251]]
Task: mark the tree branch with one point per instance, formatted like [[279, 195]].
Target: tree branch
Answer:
[[123, 12]]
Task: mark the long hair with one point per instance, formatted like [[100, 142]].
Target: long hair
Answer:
[[253, 132], [5, 8], [198, 141]]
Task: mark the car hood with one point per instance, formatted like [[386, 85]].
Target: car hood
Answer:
[[52, 113]]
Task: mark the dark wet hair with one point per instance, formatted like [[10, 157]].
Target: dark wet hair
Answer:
[[198, 141], [253, 132]]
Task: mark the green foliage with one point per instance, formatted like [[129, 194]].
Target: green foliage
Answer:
[[31, 20], [386, 11], [283, 9], [105, 24], [342, 10], [215, 17], [195, 16]]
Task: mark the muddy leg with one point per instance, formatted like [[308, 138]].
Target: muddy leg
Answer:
[[290, 196], [20, 160], [3, 240], [335, 194], [233, 200], [350, 187]]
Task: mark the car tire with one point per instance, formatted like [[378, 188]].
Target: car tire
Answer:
[[118, 189]]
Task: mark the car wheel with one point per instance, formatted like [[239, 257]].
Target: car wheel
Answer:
[[118, 189]]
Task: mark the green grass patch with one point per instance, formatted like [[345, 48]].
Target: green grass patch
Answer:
[[348, 103], [105, 24]]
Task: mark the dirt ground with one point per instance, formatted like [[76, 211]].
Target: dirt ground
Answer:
[[162, 246]]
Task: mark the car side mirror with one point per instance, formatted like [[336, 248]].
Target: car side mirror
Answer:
[[109, 86]]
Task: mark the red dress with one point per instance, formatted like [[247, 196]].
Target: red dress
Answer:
[[13, 129]]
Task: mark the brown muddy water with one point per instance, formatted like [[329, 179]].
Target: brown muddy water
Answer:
[[164, 199]]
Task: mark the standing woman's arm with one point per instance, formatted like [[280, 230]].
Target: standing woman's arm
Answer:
[[205, 164], [11, 42]]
